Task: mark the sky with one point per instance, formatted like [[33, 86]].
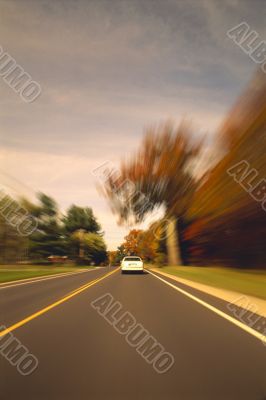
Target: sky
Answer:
[[107, 70]]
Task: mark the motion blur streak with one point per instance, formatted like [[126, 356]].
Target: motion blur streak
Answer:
[[215, 221]]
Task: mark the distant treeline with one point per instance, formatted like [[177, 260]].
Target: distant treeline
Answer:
[[74, 237]]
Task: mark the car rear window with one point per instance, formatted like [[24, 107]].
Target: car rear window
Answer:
[[132, 259]]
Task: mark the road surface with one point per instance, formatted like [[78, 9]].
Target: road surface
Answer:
[[81, 356]]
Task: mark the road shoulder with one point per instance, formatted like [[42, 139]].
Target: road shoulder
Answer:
[[226, 295]]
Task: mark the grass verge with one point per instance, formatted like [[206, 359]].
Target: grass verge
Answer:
[[14, 272], [250, 282]]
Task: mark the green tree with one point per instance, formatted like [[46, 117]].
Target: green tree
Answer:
[[83, 234], [92, 245], [13, 245], [81, 218], [120, 254], [49, 238]]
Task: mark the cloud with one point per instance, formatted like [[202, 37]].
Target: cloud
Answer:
[[107, 69]]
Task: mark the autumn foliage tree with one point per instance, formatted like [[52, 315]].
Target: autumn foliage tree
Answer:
[[157, 175], [226, 220], [131, 243], [142, 243], [221, 216]]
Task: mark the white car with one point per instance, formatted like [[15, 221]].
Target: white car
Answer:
[[131, 263]]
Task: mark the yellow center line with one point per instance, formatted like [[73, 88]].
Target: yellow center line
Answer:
[[84, 286], [55, 304]]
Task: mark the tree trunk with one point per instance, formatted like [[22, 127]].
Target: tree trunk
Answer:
[[81, 242], [172, 243]]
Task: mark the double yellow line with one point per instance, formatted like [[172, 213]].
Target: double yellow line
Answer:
[[55, 304]]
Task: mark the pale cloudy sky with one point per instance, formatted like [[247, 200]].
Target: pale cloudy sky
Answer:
[[107, 69]]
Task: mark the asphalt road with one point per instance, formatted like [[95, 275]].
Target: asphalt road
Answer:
[[82, 356]]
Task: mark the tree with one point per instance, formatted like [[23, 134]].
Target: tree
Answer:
[[83, 232], [112, 257], [226, 220], [93, 246], [148, 245], [77, 235], [81, 218], [158, 175], [142, 243], [13, 246], [131, 243], [49, 238], [120, 254]]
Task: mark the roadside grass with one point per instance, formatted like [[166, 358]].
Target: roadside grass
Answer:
[[250, 282], [16, 272]]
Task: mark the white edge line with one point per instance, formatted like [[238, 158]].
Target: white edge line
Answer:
[[6, 285], [234, 321]]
